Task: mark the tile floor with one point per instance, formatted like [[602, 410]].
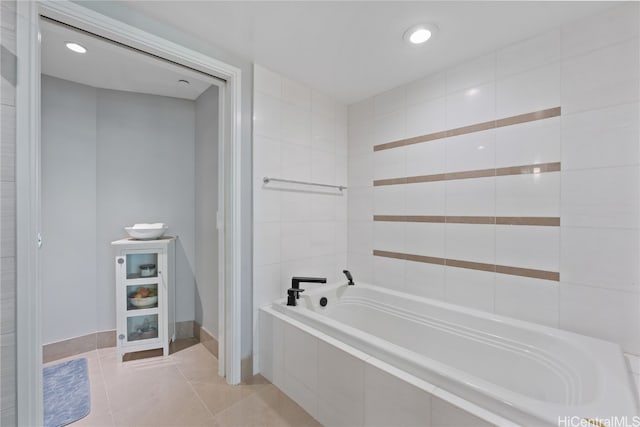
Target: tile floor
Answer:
[[183, 389]]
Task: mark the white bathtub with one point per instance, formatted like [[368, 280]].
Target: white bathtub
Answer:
[[519, 371]]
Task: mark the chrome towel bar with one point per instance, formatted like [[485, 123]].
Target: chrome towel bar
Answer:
[[266, 180]]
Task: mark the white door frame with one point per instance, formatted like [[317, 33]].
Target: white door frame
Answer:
[[29, 342]]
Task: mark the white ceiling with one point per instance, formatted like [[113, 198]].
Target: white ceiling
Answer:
[[354, 49], [110, 66]]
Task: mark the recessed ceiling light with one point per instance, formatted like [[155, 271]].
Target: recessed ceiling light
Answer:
[[420, 33], [75, 47], [184, 82]]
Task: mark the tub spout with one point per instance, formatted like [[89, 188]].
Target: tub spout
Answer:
[[349, 277], [293, 293]]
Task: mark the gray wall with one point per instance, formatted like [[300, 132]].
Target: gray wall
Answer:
[[8, 214], [136, 165], [120, 12], [206, 206], [68, 209]]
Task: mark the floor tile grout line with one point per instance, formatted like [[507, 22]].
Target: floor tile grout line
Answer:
[[106, 390], [213, 417]]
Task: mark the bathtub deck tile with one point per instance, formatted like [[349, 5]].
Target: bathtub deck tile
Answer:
[[444, 414]]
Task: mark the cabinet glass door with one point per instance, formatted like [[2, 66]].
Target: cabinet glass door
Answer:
[[142, 327], [143, 296], [141, 265]]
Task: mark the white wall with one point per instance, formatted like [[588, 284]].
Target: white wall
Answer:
[[299, 134], [137, 165], [206, 206], [591, 70]]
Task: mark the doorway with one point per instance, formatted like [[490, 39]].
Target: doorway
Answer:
[[30, 239]]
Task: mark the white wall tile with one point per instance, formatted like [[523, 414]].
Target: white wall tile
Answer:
[[425, 198], [360, 111], [528, 195], [267, 113], [444, 414], [601, 138], [524, 298], [600, 30], [471, 106], [426, 158], [361, 137], [360, 266], [267, 201], [472, 151], [601, 257], [389, 101], [323, 167], [390, 401], [475, 196], [606, 197], [423, 238], [528, 54], [295, 206], [388, 200], [601, 313], [471, 288], [340, 387], [427, 117], [323, 136], [322, 104], [295, 238], [529, 143], [430, 87], [296, 94], [323, 239], [360, 204], [471, 242], [388, 236], [267, 160], [388, 273], [360, 235], [529, 91], [471, 74], [602, 78], [267, 82], [391, 127], [360, 170], [296, 125], [295, 163], [528, 247], [322, 207], [389, 163], [7, 142], [425, 280], [267, 284], [266, 243]]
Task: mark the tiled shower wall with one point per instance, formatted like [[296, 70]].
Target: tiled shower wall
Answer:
[[534, 217], [299, 230], [8, 213]]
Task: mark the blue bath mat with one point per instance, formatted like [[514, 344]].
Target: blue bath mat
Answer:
[[66, 393]]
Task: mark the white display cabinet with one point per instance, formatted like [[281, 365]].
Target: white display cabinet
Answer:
[[145, 280]]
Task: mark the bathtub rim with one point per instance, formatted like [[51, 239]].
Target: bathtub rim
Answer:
[[520, 406], [457, 401]]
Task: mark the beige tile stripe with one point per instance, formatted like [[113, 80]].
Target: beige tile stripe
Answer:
[[503, 269], [500, 220], [482, 173], [508, 121]]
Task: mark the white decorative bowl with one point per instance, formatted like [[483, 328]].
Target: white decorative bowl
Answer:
[[143, 302], [146, 233]]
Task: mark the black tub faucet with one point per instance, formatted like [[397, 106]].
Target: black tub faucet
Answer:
[[349, 277], [293, 293]]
